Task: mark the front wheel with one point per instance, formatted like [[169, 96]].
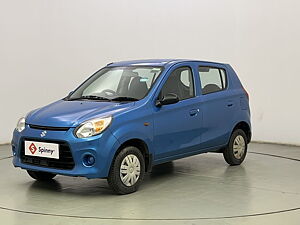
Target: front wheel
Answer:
[[127, 171], [236, 150], [41, 176]]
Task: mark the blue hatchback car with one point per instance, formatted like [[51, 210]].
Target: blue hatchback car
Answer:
[[131, 115]]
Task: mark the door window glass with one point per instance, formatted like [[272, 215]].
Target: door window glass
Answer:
[[181, 83], [212, 79]]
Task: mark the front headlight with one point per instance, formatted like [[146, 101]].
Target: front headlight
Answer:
[[92, 127], [21, 124]]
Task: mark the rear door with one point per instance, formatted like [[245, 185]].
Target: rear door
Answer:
[[217, 105]]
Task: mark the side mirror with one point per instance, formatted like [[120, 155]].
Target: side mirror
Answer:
[[168, 99]]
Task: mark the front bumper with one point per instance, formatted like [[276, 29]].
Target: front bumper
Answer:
[[102, 147]]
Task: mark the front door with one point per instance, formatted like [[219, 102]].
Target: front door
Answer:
[[176, 126]]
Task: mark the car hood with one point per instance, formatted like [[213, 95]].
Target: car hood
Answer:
[[71, 113]]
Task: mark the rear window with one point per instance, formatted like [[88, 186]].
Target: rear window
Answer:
[[212, 79]]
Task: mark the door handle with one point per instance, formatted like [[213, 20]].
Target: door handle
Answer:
[[230, 103], [194, 112]]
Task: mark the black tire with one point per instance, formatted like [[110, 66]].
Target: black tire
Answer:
[[41, 176], [114, 177], [229, 153]]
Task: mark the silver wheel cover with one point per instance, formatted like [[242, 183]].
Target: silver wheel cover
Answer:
[[130, 170], [239, 146]]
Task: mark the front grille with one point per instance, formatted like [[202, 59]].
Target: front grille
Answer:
[[64, 162], [48, 128]]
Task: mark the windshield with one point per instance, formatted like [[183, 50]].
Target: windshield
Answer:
[[118, 84]]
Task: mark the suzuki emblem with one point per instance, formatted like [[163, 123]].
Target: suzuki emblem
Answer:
[[43, 134]]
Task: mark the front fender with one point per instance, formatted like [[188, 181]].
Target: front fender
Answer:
[[135, 124], [123, 135], [135, 132]]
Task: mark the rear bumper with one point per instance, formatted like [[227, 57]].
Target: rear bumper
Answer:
[[102, 147]]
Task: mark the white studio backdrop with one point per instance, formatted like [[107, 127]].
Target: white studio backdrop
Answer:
[[48, 47]]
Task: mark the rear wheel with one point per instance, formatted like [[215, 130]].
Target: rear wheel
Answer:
[[127, 171], [236, 150], [41, 176]]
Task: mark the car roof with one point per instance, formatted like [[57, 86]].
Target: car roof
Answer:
[[155, 62]]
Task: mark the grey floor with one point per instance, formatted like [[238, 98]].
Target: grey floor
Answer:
[[201, 189]]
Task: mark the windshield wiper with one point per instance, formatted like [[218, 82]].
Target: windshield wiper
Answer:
[[91, 97], [124, 98]]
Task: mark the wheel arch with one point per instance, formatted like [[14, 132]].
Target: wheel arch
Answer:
[[142, 146], [245, 127]]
